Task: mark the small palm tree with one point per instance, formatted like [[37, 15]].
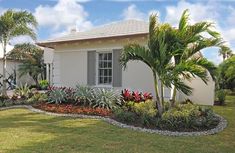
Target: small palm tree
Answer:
[[188, 61], [12, 24], [225, 52], [157, 55]]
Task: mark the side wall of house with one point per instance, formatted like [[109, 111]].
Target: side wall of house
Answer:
[[202, 93]]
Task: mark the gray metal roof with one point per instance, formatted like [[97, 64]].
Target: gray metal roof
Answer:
[[115, 29]]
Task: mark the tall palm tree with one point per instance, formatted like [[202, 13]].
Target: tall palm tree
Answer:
[[225, 52], [12, 24], [188, 61], [157, 55], [32, 57]]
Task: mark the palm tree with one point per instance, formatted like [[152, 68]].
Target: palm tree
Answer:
[[157, 55], [225, 52], [12, 24], [188, 61], [32, 57]]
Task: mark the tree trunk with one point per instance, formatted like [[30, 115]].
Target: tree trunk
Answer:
[[4, 85], [173, 97], [162, 96], [158, 102]]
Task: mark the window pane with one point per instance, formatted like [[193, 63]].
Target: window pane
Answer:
[[110, 64], [105, 65], [110, 56], [110, 72]]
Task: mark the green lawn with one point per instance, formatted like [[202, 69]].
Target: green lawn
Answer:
[[22, 131]]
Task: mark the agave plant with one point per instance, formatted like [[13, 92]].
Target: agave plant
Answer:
[[107, 99], [84, 94], [23, 91], [57, 95]]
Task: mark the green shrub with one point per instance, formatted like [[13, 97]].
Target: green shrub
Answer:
[[3, 98], [38, 97], [105, 98], [84, 94], [146, 108], [43, 84], [187, 116], [57, 95], [221, 95], [124, 116], [23, 91]]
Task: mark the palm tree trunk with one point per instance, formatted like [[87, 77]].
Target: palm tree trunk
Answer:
[[158, 102], [4, 85], [162, 96], [174, 96]]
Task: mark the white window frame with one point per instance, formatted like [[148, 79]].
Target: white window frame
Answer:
[[97, 69]]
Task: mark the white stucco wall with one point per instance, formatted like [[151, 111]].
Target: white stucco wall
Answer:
[[70, 68], [14, 65], [202, 93]]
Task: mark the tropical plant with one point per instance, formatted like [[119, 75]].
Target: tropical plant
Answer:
[[105, 98], [23, 91], [32, 61], [12, 24], [84, 94], [188, 60], [221, 95], [185, 117], [226, 74], [157, 55], [225, 52], [57, 95], [38, 97], [43, 84]]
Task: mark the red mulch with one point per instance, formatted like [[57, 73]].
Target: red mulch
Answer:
[[68, 108]]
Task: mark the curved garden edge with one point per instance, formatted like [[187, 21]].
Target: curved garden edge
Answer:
[[220, 127]]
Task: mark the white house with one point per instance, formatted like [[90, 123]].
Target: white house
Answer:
[[92, 58], [12, 69]]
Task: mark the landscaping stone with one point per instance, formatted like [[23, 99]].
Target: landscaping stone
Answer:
[[221, 126]]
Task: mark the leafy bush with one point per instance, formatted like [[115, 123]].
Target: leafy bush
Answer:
[[44, 84], [56, 95], [147, 108], [3, 98], [221, 95], [105, 98], [84, 94], [124, 116], [37, 97], [187, 116], [23, 91]]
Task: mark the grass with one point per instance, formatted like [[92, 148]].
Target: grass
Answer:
[[22, 131]]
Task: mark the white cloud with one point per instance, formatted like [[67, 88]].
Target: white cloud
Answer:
[[198, 12], [62, 15], [132, 12]]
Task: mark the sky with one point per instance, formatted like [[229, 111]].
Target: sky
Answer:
[[57, 17]]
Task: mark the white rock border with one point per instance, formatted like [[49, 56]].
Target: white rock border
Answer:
[[220, 127]]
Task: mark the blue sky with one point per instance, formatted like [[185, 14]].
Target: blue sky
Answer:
[[57, 17]]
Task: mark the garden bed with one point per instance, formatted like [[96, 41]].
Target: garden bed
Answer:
[[221, 125], [72, 109]]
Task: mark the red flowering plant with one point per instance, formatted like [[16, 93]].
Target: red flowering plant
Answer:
[[147, 96], [126, 94], [135, 96]]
